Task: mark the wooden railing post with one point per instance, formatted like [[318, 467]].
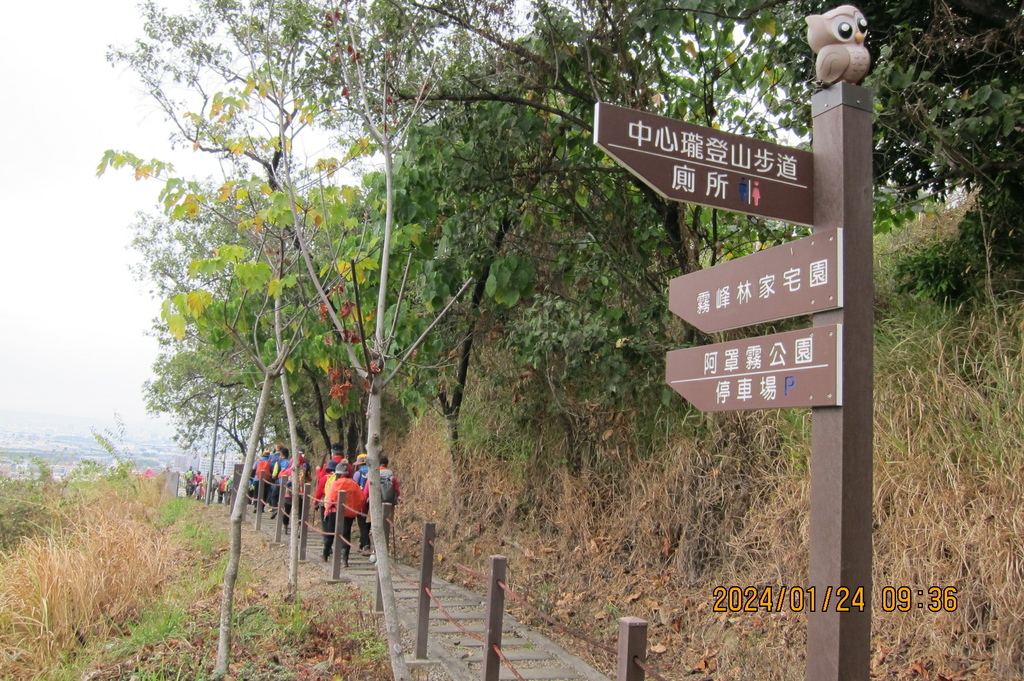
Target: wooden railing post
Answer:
[[494, 618], [632, 644], [339, 524], [426, 578]]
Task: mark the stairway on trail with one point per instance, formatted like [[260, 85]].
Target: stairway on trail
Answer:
[[534, 656]]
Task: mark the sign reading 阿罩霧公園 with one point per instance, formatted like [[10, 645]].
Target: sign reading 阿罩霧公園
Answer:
[[791, 369], [788, 280], [701, 165]]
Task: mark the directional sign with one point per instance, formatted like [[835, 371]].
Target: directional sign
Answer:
[[793, 369], [796, 278], [695, 164]]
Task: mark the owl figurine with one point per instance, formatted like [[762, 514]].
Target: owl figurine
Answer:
[[837, 37]]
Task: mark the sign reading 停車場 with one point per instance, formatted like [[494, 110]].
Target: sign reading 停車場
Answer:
[[791, 369]]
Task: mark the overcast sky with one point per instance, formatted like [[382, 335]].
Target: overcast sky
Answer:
[[74, 321]]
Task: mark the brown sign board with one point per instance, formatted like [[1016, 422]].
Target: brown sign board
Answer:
[[792, 279], [696, 164], [792, 369]]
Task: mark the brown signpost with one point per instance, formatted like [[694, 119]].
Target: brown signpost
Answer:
[[793, 279], [842, 444], [828, 367], [709, 167], [792, 369]]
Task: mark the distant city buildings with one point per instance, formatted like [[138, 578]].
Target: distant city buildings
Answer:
[[61, 442]]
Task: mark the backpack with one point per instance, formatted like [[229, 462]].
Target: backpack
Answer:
[[263, 470], [328, 481], [387, 487]]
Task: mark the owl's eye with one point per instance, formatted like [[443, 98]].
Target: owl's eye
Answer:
[[844, 30], [862, 24]]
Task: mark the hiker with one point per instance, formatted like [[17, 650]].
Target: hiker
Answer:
[[364, 517], [327, 519], [284, 478], [389, 494], [342, 482], [261, 471], [337, 456], [274, 491], [283, 460]]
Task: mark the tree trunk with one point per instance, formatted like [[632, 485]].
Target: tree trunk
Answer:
[[293, 543], [321, 408], [451, 405], [353, 437], [227, 601], [399, 669]]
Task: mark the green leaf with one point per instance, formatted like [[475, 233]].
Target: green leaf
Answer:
[[176, 325], [231, 253], [198, 301], [253, 276], [506, 296]]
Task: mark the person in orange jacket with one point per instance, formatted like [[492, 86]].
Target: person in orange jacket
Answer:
[[354, 500]]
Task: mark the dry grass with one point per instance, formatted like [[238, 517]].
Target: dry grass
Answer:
[[724, 500], [59, 592]]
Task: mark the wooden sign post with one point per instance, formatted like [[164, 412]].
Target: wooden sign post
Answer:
[[839, 643], [828, 367]]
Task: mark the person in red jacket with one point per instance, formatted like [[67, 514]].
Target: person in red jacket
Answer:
[[337, 456], [343, 482]]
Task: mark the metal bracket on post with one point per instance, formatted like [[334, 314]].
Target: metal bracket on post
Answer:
[[842, 448], [495, 618], [426, 579], [632, 644]]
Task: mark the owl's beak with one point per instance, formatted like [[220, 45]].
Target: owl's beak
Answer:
[[859, 38]]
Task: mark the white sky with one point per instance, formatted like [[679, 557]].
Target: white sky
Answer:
[[73, 319]]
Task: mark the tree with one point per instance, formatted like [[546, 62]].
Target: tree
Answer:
[[949, 80], [251, 294], [572, 253]]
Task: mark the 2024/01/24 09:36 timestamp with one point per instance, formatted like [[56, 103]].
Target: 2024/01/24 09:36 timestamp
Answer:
[[831, 599]]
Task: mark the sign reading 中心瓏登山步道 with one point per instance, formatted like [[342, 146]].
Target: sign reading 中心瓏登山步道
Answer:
[[696, 164], [791, 369], [788, 280]]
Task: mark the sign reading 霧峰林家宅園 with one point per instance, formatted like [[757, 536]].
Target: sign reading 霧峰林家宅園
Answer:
[[696, 164], [788, 280], [791, 369]]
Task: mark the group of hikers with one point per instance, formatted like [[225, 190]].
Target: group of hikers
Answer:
[[195, 485], [338, 474]]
